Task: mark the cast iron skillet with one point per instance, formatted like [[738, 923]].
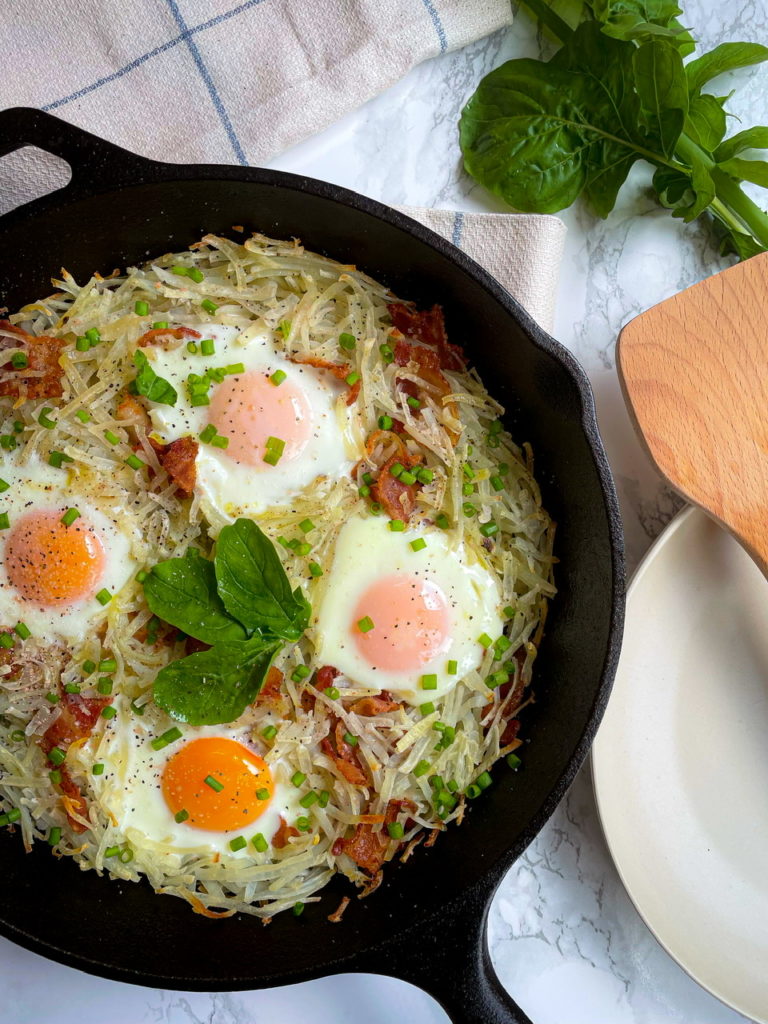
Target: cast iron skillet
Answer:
[[427, 922]]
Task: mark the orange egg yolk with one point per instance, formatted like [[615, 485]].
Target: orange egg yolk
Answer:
[[238, 776], [51, 564], [249, 409], [411, 623]]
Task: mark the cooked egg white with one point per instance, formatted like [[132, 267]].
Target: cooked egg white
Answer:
[[408, 621]]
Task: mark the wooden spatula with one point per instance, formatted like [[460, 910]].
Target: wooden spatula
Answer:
[[694, 370]]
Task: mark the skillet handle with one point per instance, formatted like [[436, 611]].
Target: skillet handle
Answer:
[[448, 958], [93, 161]]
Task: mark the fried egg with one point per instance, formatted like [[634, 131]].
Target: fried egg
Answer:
[[413, 622], [194, 794], [64, 553], [269, 400]]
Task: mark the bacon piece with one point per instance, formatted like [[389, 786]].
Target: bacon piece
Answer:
[[509, 735], [324, 678], [343, 755], [41, 377], [132, 411], [73, 800], [178, 460], [283, 834], [370, 706], [428, 362], [178, 333], [272, 689], [366, 847], [339, 370], [428, 327], [397, 499]]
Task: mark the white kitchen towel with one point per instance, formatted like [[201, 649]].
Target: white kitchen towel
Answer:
[[225, 82]]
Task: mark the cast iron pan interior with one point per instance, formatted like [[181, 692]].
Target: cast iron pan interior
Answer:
[[426, 923]]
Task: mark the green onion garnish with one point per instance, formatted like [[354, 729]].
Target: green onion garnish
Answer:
[[72, 688], [484, 780], [485, 640], [306, 526], [180, 271], [347, 341], [274, 450], [6, 640], [213, 783], [501, 645], [4, 485], [332, 692], [407, 477], [55, 777], [56, 756], [497, 483], [427, 709], [111, 437], [18, 735], [181, 816], [141, 575], [89, 666], [160, 325], [208, 306], [385, 422], [277, 379], [365, 625], [285, 328], [429, 681], [375, 508], [386, 353], [298, 778], [269, 733], [141, 308], [352, 379], [350, 739], [259, 842], [44, 420], [138, 709], [489, 529], [70, 516], [196, 275], [492, 441], [396, 469], [191, 348], [315, 569], [298, 909], [5, 521], [57, 459], [395, 829], [18, 426], [234, 368], [220, 442], [83, 416], [19, 361], [473, 791], [112, 851], [364, 491], [134, 462], [97, 769], [513, 761], [495, 427], [308, 799], [323, 797], [170, 736], [125, 855], [469, 509], [413, 402], [453, 668], [93, 336], [104, 596], [419, 544], [262, 794], [299, 673], [207, 347], [207, 434], [424, 475], [509, 611], [238, 843], [421, 769], [396, 525], [14, 814], [503, 468], [82, 344], [54, 836], [303, 824], [108, 712], [8, 441], [52, 698]]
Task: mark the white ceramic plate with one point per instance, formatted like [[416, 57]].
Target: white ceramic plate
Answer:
[[680, 763]]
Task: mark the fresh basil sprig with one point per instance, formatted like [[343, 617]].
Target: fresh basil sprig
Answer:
[[242, 604], [541, 134], [150, 384]]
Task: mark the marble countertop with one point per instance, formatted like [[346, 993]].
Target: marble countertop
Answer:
[[564, 937]]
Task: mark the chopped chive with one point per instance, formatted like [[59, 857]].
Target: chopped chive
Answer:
[[234, 368], [191, 348], [180, 271], [19, 361], [308, 799], [298, 778], [274, 450], [424, 475], [469, 473], [125, 855], [56, 756], [407, 477], [196, 275], [453, 785], [259, 842], [467, 489], [104, 596], [489, 529], [395, 829], [332, 693], [364, 491], [453, 668], [181, 816], [55, 776], [97, 769], [238, 843], [108, 712], [299, 673], [198, 400], [4, 485], [82, 344], [72, 688], [262, 794], [220, 442], [385, 422], [350, 739], [4, 820], [306, 525], [14, 814], [427, 709], [396, 469], [18, 426], [207, 347], [5, 521], [208, 306], [485, 640], [303, 824], [105, 684], [439, 726], [421, 769], [57, 459], [469, 509], [375, 508], [501, 645], [495, 427], [285, 328], [111, 437], [473, 791], [207, 434], [315, 569], [492, 441], [429, 681], [352, 379], [441, 520], [134, 462], [160, 325], [347, 341], [323, 797], [278, 377], [54, 836], [170, 736], [298, 909], [44, 420], [396, 525], [513, 761], [484, 780], [509, 611], [6, 640], [497, 483], [138, 709], [112, 851], [89, 666], [8, 441], [93, 336], [436, 782], [386, 353], [141, 308], [269, 732], [419, 544], [215, 785], [18, 735], [413, 402], [365, 625], [367, 479], [52, 698], [503, 468], [83, 416], [70, 516]]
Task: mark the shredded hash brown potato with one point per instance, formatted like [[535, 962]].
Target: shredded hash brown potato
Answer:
[[306, 301]]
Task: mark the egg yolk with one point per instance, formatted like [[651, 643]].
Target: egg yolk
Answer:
[[239, 778], [51, 564], [249, 409], [411, 623]]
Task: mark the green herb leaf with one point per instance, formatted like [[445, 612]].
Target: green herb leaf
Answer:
[[746, 170], [182, 591], [253, 585], [215, 686], [663, 91], [750, 138], [705, 122], [641, 20], [149, 384], [725, 57]]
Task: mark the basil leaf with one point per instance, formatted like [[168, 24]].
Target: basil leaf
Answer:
[[705, 122], [744, 246], [253, 585], [215, 686], [725, 57], [182, 591], [750, 138], [663, 91], [746, 170], [149, 384]]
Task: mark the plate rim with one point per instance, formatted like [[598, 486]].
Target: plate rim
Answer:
[[679, 522]]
